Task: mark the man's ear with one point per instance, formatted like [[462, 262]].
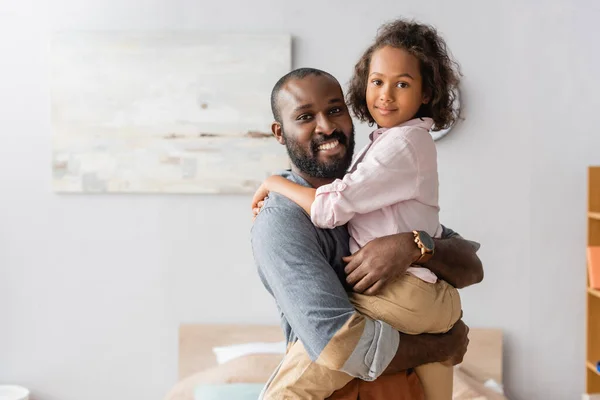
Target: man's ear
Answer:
[[277, 132]]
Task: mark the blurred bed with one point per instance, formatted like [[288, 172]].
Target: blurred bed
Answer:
[[233, 362]]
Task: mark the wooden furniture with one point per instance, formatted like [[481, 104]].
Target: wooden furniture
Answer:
[[197, 340], [593, 296], [481, 365], [483, 360]]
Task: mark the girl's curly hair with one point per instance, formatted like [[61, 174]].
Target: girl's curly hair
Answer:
[[440, 73]]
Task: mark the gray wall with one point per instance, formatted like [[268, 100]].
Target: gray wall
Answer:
[[92, 288]]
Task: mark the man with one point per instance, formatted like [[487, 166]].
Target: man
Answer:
[[302, 266]]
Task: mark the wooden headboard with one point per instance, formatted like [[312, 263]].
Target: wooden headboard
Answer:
[[196, 342], [483, 360]]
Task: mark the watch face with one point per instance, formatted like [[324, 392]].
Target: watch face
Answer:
[[426, 240]]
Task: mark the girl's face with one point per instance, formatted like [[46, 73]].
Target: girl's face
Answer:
[[394, 87]]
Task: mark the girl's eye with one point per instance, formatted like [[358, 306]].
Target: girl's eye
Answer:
[[376, 82], [335, 110], [402, 85]]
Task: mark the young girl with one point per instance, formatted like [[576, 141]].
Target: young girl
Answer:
[[403, 83]]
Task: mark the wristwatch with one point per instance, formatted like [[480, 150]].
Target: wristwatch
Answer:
[[426, 244]]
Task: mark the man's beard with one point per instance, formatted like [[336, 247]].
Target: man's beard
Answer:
[[306, 161]]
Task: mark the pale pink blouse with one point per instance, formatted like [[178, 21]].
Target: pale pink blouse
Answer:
[[392, 187]]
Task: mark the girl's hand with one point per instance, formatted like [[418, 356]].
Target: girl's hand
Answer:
[[257, 209], [259, 197]]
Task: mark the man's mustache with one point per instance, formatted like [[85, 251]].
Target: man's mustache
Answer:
[[339, 135]]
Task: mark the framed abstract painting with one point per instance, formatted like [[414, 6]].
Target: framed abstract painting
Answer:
[[173, 112]]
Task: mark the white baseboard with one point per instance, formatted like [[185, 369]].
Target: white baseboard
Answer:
[[590, 397]]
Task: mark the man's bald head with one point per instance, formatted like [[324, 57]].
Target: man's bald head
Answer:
[[299, 73]]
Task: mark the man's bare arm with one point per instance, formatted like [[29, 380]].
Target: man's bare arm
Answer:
[[455, 260], [415, 350], [381, 260]]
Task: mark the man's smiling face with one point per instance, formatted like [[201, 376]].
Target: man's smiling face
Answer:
[[315, 126]]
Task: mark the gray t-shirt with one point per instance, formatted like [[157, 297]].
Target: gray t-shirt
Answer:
[[301, 266]]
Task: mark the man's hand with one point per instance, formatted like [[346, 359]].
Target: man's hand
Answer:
[[456, 343], [380, 261], [455, 261], [414, 350]]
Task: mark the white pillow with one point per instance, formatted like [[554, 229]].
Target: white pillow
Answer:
[[228, 353]]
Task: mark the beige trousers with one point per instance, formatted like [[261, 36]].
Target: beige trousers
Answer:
[[411, 306]]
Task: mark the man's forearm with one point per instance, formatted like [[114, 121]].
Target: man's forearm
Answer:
[[455, 260], [414, 350]]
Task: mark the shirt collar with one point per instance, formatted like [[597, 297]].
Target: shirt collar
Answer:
[[425, 123]]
